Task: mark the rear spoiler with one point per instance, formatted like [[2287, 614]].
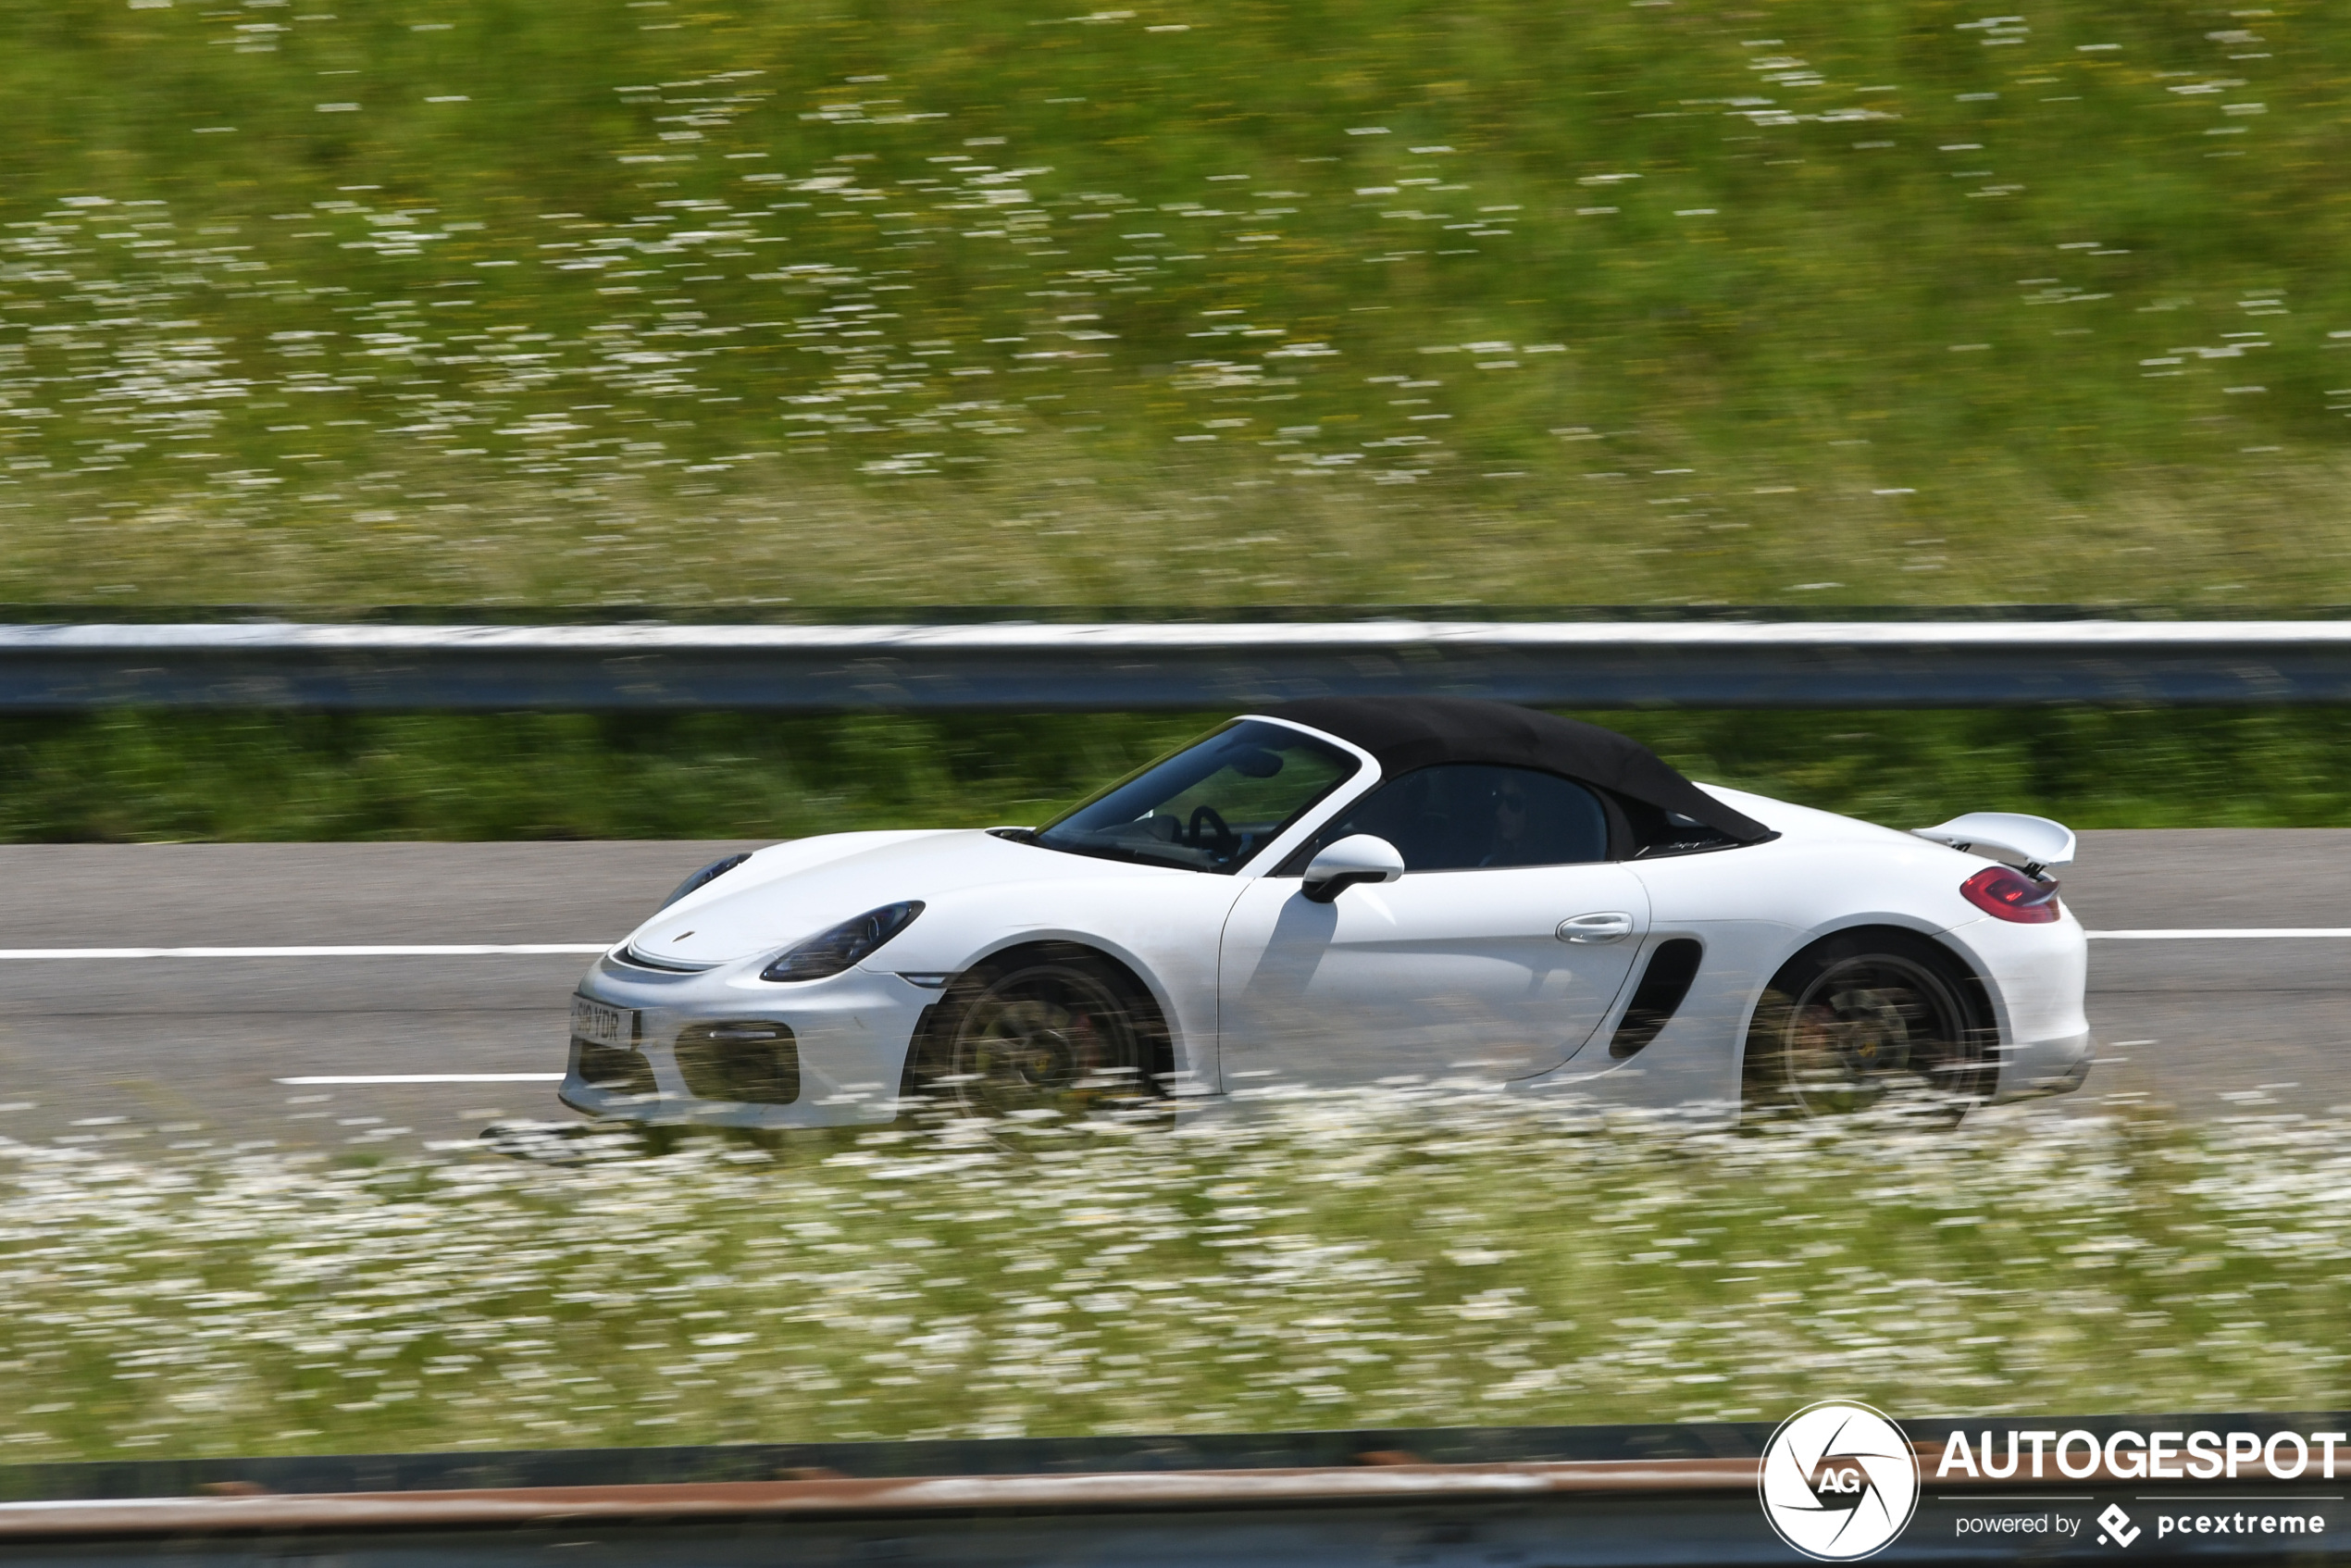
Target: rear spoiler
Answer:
[[2033, 843]]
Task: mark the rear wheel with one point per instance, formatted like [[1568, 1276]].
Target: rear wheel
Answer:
[[1041, 1036], [1871, 1018]]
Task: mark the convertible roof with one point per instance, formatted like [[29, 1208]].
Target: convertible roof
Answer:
[[1405, 733]]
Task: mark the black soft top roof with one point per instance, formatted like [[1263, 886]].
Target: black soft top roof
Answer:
[[1406, 733]]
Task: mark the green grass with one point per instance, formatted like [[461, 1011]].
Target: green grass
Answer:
[[854, 303], [127, 776], [1385, 1259], [548, 775]]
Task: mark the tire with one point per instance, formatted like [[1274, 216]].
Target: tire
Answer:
[[1044, 1035], [1871, 1018]]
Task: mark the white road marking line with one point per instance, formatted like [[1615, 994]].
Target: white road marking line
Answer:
[[429, 1079], [506, 950], [544, 950], [2218, 935]]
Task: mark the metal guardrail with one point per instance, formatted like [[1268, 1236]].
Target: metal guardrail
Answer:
[[1220, 666], [1636, 1495]]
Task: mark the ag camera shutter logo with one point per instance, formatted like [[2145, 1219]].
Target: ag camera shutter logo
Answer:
[[1839, 1481]]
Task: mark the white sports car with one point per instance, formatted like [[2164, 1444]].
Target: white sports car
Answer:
[[1350, 891]]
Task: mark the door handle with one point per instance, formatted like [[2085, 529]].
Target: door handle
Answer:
[[1612, 926]]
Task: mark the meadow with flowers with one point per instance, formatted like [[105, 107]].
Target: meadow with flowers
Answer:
[[707, 308], [753, 310], [1408, 1256], [693, 303]]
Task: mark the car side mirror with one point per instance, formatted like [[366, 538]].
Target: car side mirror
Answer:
[[1359, 857]]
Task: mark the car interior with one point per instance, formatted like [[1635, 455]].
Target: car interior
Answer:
[[1461, 817]]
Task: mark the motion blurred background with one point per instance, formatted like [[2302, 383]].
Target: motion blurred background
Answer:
[[470, 309], [678, 307]]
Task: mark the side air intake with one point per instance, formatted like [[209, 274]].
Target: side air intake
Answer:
[[1663, 985]]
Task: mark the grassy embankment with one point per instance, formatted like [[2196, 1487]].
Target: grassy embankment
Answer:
[[1390, 302], [1344, 1263], [838, 303]]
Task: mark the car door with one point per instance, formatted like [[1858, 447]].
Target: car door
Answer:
[[1472, 964]]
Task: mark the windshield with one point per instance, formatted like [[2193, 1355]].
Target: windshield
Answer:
[[1209, 806]]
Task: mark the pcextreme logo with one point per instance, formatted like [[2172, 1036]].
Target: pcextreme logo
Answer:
[[1839, 1481]]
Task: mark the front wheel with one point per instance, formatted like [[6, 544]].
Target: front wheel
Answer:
[[1043, 1035], [1871, 1018]]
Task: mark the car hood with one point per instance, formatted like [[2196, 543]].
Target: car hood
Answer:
[[790, 891]]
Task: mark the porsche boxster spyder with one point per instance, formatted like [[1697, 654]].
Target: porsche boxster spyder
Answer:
[[1346, 893]]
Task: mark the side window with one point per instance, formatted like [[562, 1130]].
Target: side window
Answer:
[[1462, 816]]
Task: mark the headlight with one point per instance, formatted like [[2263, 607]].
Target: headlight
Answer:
[[852, 941], [708, 874]]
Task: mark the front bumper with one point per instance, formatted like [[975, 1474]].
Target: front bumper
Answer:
[[845, 1040]]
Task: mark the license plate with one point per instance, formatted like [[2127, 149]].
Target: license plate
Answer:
[[595, 1022]]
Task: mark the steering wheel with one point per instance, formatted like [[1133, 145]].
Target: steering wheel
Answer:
[[1226, 838]]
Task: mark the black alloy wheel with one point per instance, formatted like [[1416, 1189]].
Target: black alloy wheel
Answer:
[[1044, 1037], [1871, 1018]]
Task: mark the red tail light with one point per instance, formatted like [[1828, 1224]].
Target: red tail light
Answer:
[[2009, 894]]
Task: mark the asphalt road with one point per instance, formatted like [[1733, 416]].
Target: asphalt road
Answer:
[[190, 1048]]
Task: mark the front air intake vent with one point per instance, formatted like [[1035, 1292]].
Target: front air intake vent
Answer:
[[754, 1063], [612, 1069], [1663, 985]]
